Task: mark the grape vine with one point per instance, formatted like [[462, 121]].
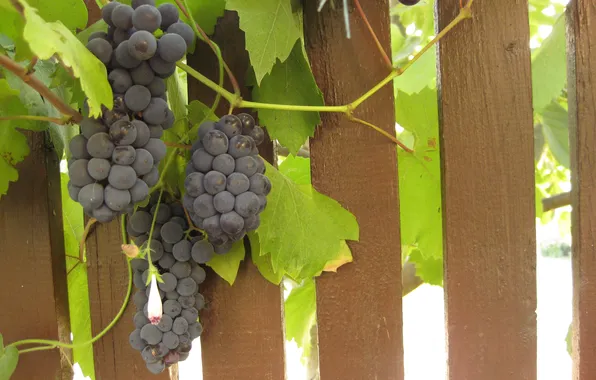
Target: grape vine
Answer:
[[119, 162]]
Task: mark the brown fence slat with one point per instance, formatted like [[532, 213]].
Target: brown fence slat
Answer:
[[34, 293], [581, 16], [488, 192], [359, 309], [108, 280], [243, 337]]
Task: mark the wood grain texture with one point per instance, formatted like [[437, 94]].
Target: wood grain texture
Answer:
[[34, 292], [487, 158], [243, 337], [108, 281], [581, 34], [359, 309]]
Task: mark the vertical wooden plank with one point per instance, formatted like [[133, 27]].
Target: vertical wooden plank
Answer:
[[581, 16], [34, 294], [359, 309], [243, 337], [488, 192]]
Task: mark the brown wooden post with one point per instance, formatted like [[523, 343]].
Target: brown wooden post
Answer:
[[486, 133], [581, 16], [34, 296], [243, 337], [359, 309]]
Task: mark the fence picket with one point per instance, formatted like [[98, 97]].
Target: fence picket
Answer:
[[359, 309], [243, 337], [581, 15], [34, 293], [487, 142]]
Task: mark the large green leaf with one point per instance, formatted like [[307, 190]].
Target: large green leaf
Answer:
[[226, 265], [46, 39], [549, 63], [312, 230], [297, 169], [555, 127], [270, 29], [419, 177], [78, 290], [420, 75], [72, 13], [300, 314], [263, 261], [290, 82], [11, 26]]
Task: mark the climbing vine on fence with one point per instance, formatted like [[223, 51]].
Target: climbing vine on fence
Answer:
[[51, 82]]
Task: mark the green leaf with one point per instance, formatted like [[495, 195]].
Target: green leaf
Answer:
[[549, 63], [1, 345], [226, 266], [290, 82], [12, 27], [297, 169], [420, 75], [263, 261], [555, 127], [206, 13], [72, 13], [13, 144], [46, 39], [568, 339], [318, 226], [98, 26], [419, 176], [300, 314], [78, 290], [8, 362], [270, 29], [429, 269]]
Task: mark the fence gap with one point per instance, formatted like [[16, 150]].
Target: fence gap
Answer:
[[33, 268], [359, 309], [581, 70], [488, 192], [243, 337]]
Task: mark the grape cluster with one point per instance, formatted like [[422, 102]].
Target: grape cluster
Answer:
[[226, 188], [115, 158], [167, 339]]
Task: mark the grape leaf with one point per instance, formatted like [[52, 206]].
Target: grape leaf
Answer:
[[420, 75], [318, 226], [72, 13], [206, 13], [549, 62], [270, 29], [297, 169], [419, 176], [344, 257], [226, 266], [555, 127], [46, 39], [1, 345], [8, 362], [290, 82], [98, 26], [12, 27], [429, 269], [263, 261], [300, 314], [78, 291], [13, 144]]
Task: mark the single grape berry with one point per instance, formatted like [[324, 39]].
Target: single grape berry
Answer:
[[409, 2], [101, 49], [146, 17], [142, 45]]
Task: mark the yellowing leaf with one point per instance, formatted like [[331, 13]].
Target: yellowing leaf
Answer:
[[344, 257]]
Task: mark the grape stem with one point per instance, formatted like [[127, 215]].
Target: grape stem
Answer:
[[236, 100], [56, 120], [175, 145], [51, 344], [373, 34], [86, 232], [152, 269], [38, 86], [183, 5]]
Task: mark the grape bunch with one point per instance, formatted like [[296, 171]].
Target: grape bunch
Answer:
[[226, 188], [164, 337], [115, 158]]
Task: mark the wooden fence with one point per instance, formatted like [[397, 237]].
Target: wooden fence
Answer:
[[486, 133]]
